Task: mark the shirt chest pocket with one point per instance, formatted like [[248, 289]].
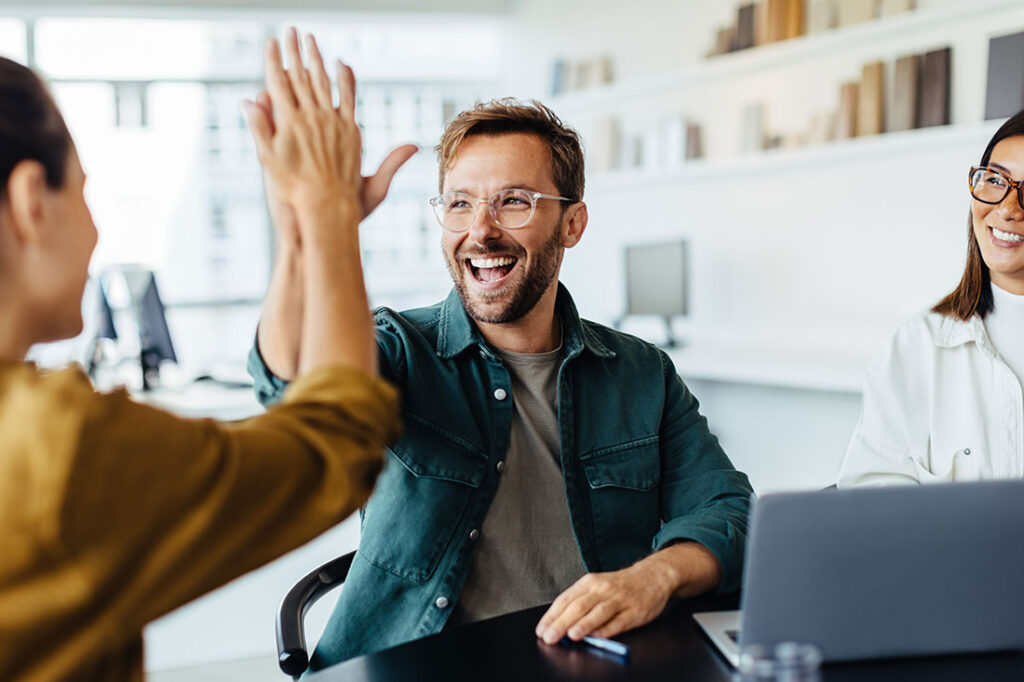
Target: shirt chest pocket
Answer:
[[625, 496], [420, 498]]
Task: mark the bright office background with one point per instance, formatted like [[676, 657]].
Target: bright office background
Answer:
[[802, 260]]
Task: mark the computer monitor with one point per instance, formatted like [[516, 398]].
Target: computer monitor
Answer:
[[656, 281], [155, 343], [101, 323]]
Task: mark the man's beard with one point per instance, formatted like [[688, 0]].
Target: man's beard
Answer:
[[527, 293]]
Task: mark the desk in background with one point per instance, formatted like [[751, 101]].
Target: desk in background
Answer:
[[204, 399], [504, 649]]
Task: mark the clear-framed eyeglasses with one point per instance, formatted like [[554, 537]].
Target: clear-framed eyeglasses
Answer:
[[990, 186], [509, 208]]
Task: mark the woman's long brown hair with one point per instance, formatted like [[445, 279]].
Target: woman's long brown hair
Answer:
[[974, 293]]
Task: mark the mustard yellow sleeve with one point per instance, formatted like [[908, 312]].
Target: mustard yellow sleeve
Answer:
[[160, 509]]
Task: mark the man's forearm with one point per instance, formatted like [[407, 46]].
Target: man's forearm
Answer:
[[280, 329], [688, 568]]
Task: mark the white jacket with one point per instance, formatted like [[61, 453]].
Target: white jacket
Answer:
[[939, 405]]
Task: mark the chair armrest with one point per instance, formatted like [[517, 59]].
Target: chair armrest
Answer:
[[291, 637]]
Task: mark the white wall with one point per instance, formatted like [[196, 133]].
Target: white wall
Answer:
[[821, 250]]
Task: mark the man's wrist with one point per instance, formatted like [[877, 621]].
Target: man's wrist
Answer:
[[688, 568], [665, 566]]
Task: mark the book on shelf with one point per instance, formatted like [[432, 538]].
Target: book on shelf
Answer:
[[793, 25], [694, 142], [871, 100], [559, 76], [670, 142], [586, 74], [822, 128], [1004, 94], [933, 107], [905, 93], [890, 7], [605, 70], [846, 115], [776, 19], [606, 145], [752, 135], [637, 151], [760, 23], [745, 27], [821, 15], [856, 11], [724, 40]]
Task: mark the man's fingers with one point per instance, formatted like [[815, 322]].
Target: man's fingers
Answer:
[[277, 80], [555, 610], [318, 73], [297, 73], [575, 610], [259, 125], [619, 623], [593, 619], [376, 186], [346, 90]]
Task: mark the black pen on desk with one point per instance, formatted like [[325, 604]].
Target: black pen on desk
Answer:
[[608, 645]]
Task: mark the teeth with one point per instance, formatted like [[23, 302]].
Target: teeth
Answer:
[[491, 262], [1007, 236]]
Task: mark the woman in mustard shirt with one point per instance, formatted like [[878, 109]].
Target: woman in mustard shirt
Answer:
[[113, 513]]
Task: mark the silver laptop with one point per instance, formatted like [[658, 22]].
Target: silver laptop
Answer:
[[882, 572]]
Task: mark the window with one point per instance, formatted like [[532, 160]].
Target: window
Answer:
[[13, 40], [174, 183]]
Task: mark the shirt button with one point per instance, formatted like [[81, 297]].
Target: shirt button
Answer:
[[474, 534], [500, 394], [441, 603], [500, 466], [967, 451]]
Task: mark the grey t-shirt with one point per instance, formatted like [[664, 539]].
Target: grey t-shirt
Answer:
[[526, 553]]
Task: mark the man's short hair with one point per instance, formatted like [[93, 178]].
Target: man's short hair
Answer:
[[509, 115]]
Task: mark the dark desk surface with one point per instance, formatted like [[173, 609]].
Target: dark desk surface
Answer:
[[672, 648]]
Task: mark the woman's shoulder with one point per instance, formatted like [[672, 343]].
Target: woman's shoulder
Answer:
[[41, 417], [929, 330], [917, 342], [24, 386]]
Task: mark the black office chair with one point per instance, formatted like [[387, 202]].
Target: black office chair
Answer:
[[292, 655]]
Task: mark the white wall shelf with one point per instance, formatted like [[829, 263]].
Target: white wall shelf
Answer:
[[904, 27], [895, 145]]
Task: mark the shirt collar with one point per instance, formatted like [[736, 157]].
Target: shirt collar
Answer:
[[457, 332], [954, 332]]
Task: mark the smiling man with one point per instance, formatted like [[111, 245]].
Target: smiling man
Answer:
[[545, 458]]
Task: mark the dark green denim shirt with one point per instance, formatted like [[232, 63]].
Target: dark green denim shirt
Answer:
[[641, 468]]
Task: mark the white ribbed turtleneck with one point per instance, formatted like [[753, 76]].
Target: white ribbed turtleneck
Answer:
[[1005, 327]]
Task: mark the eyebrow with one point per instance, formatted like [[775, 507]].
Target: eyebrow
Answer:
[[522, 185], [1001, 168]]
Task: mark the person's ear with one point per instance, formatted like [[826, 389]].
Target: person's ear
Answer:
[[27, 200], [574, 222]]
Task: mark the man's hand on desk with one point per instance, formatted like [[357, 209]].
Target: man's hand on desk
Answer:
[[606, 604]]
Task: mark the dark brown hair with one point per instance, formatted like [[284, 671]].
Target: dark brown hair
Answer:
[[31, 126], [974, 293], [509, 115]]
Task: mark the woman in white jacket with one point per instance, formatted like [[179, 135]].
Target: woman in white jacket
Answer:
[[943, 401]]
